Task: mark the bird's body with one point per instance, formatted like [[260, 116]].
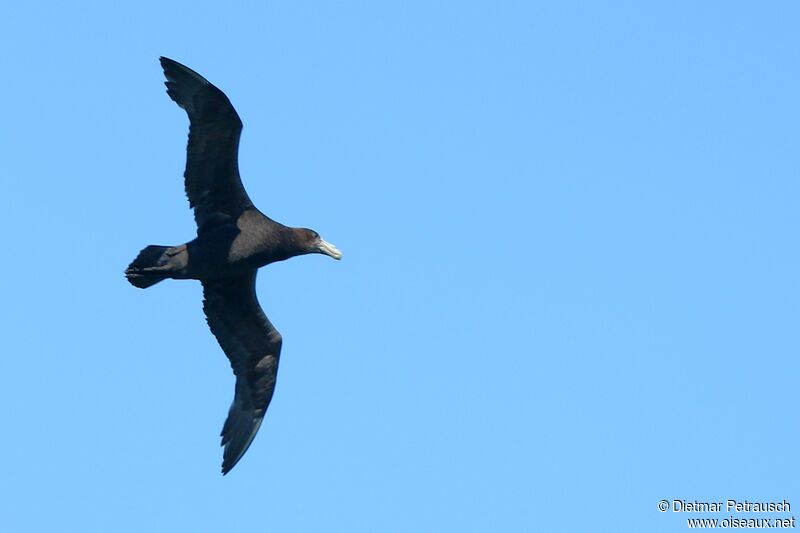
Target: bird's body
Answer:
[[228, 249], [234, 239]]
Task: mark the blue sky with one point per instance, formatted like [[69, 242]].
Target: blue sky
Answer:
[[570, 277]]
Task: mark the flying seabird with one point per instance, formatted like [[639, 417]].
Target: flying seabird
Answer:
[[234, 239]]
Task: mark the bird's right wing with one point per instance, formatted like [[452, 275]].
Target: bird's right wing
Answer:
[[253, 346], [212, 181]]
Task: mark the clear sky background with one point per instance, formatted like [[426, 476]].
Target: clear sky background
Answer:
[[570, 277]]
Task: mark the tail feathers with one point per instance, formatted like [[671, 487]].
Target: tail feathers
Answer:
[[149, 267]]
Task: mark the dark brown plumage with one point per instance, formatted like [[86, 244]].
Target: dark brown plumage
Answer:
[[234, 239]]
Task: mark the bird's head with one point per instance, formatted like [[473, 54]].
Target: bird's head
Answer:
[[314, 244]]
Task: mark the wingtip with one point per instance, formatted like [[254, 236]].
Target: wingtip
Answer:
[[228, 464], [236, 440]]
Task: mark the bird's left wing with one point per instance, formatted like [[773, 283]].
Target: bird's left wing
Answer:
[[212, 181], [253, 346]]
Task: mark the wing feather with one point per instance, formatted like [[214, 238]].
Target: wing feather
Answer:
[[211, 178], [253, 346]]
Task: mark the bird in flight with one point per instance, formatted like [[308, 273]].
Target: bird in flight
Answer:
[[234, 239]]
